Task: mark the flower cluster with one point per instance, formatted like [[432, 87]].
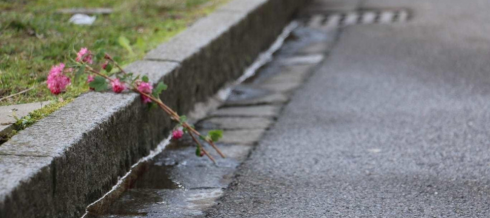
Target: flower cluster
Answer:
[[84, 56], [104, 79], [57, 81], [146, 88]]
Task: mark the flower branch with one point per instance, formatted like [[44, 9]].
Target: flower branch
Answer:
[[98, 81]]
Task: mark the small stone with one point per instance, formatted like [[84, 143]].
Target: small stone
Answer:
[[252, 111]]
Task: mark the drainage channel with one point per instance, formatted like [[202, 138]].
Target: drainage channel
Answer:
[[172, 181]]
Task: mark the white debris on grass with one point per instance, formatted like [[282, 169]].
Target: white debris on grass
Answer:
[[82, 19]]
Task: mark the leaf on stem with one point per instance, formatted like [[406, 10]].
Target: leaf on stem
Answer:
[[108, 68], [183, 119], [198, 151], [145, 79], [134, 79], [160, 87], [100, 54], [215, 135], [152, 105], [99, 84]]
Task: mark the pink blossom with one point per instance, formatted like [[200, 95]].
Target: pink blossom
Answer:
[[117, 86], [145, 88], [84, 55], [177, 134], [90, 78], [105, 65], [57, 81]]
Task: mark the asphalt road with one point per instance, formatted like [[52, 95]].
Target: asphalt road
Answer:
[[395, 123]]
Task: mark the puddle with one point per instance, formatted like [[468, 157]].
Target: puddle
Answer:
[[175, 178], [156, 177]]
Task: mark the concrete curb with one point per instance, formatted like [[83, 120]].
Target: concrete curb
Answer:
[[66, 161]]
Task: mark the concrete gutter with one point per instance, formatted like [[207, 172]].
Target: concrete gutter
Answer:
[[71, 158]]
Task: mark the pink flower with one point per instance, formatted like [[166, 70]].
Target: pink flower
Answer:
[[90, 78], [84, 55], [145, 88], [177, 134], [57, 81], [117, 86], [105, 65]]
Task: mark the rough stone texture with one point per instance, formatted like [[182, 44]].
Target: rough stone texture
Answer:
[[95, 139], [234, 123], [251, 111], [322, 6], [90, 142], [37, 169]]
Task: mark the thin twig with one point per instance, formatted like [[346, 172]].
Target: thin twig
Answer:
[[207, 140], [18, 93], [201, 147]]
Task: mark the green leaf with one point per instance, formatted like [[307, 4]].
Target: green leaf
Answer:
[[145, 79], [124, 42], [79, 72], [134, 79], [100, 54], [183, 119], [215, 135], [152, 105], [198, 151], [99, 84], [202, 137], [108, 68], [160, 87]]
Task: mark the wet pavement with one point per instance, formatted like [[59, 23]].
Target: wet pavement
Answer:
[[176, 183], [394, 123]]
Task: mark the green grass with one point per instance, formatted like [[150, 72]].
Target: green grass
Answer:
[[33, 37]]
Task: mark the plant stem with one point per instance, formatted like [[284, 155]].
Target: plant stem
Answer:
[[201, 147], [173, 115]]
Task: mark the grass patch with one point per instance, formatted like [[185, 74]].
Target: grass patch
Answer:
[[33, 37]]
